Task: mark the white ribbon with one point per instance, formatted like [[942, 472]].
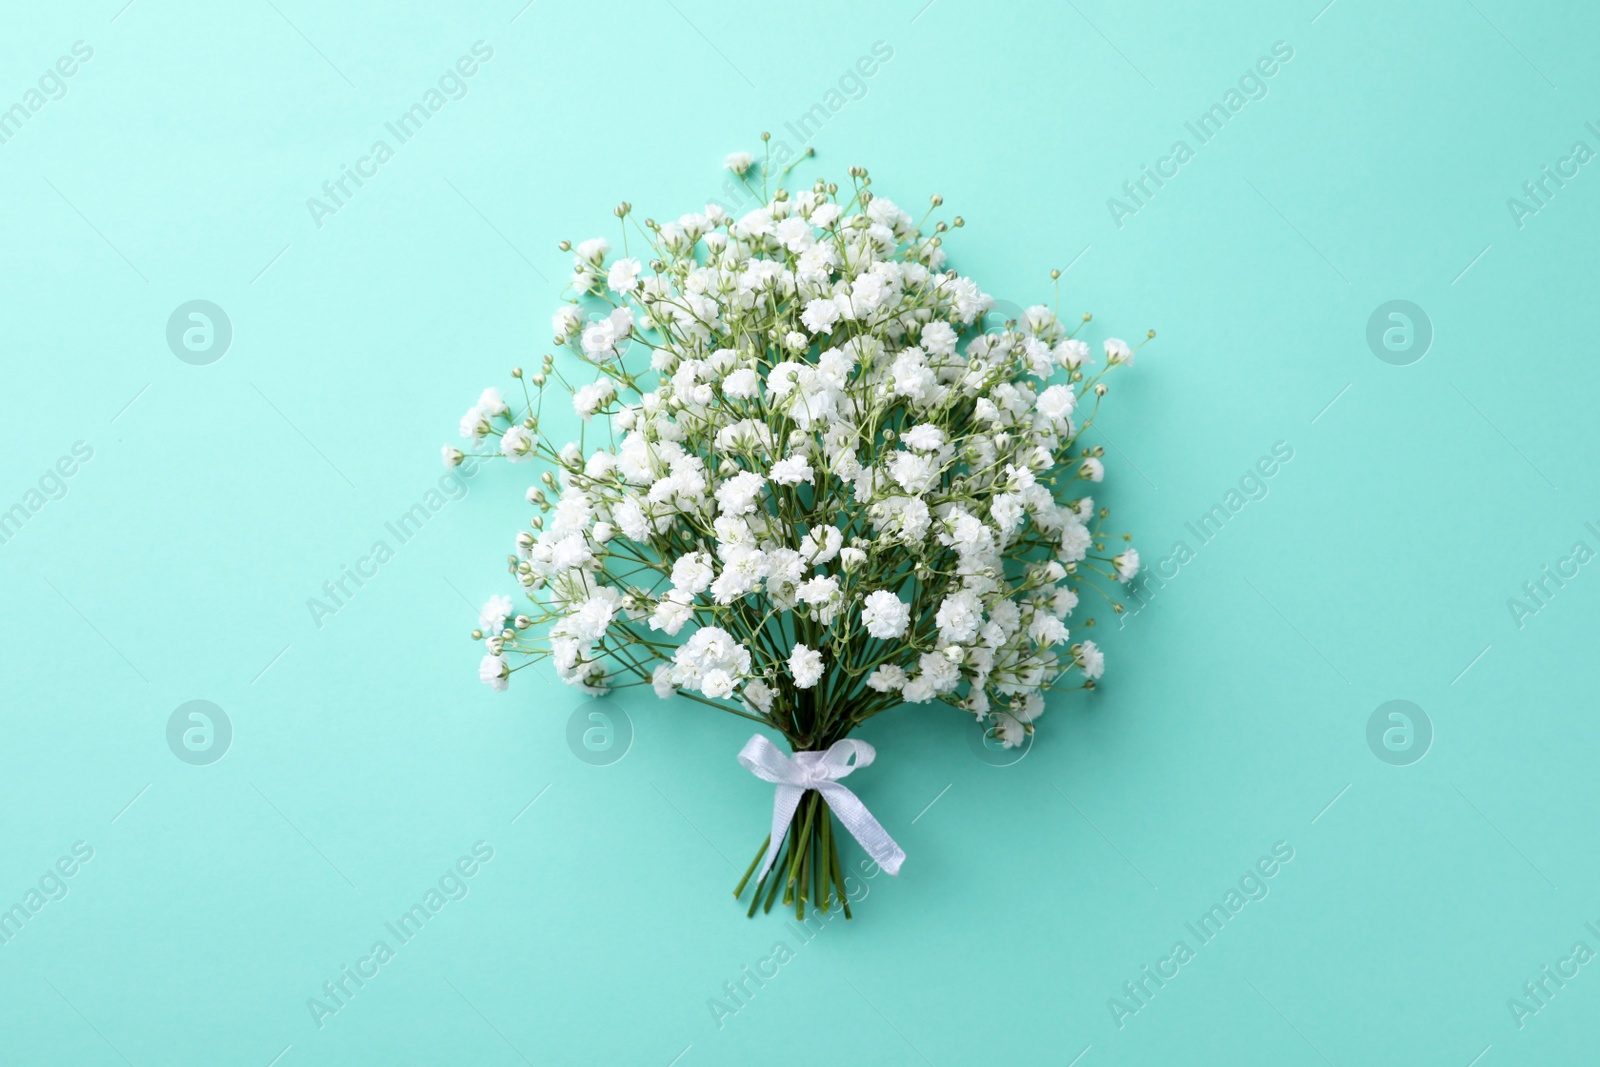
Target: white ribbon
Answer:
[[819, 771]]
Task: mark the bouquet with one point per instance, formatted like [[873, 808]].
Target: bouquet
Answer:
[[819, 484]]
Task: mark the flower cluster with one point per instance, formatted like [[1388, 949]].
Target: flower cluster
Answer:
[[829, 484]]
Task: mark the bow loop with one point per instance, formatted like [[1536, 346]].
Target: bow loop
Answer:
[[819, 771]]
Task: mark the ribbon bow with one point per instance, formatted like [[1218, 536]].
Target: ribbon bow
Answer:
[[820, 771]]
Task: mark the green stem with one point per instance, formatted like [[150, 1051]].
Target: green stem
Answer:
[[819, 866], [838, 876], [776, 882], [762, 851]]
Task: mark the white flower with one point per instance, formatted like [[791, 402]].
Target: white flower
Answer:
[[490, 402], [590, 398], [939, 338], [1089, 659], [924, 438], [711, 648], [1009, 730], [602, 340], [692, 573], [914, 471], [1071, 353], [824, 215], [791, 471], [805, 665], [867, 294], [1008, 512], [671, 612], [594, 250], [1074, 542], [885, 615], [958, 618], [1127, 564], [623, 277], [887, 678], [494, 673], [593, 617], [743, 569], [737, 495], [517, 444], [822, 594], [819, 342], [492, 616], [742, 383], [1056, 403], [718, 683], [565, 322], [820, 315], [1047, 629], [758, 695], [821, 544], [475, 424], [794, 233]]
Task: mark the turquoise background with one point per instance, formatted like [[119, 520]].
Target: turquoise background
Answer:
[[366, 758]]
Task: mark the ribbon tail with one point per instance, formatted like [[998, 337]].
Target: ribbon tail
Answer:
[[854, 817], [785, 799]]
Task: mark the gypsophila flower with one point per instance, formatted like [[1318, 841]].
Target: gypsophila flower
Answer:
[[794, 470], [820, 315], [821, 545], [494, 672], [1056, 403], [517, 444], [885, 615], [565, 321], [623, 277], [492, 616], [717, 684], [805, 665], [1127, 564], [592, 397], [671, 612], [742, 383], [814, 481], [692, 573], [1090, 660]]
